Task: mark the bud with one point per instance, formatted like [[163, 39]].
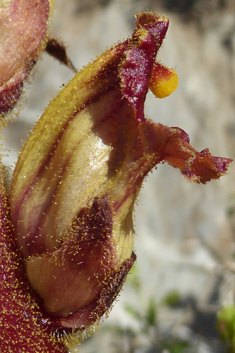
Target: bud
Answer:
[[23, 31], [78, 176]]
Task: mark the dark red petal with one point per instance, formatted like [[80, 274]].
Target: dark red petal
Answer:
[[206, 167], [136, 69], [171, 145]]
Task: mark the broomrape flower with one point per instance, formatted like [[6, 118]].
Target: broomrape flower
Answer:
[[23, 32], [24, 26], [76, 180]]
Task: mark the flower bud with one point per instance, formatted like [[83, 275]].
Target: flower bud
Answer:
[[23, 30], [78, 176]]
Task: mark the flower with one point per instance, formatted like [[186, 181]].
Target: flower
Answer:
[[75, 183], [23, 35], [78, 176]]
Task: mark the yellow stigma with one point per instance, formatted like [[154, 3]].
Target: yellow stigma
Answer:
[[163, 81]]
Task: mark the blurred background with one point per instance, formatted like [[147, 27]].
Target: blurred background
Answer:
[[185, 233]]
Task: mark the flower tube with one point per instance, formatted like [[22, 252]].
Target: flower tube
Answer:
[[78, 176]]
